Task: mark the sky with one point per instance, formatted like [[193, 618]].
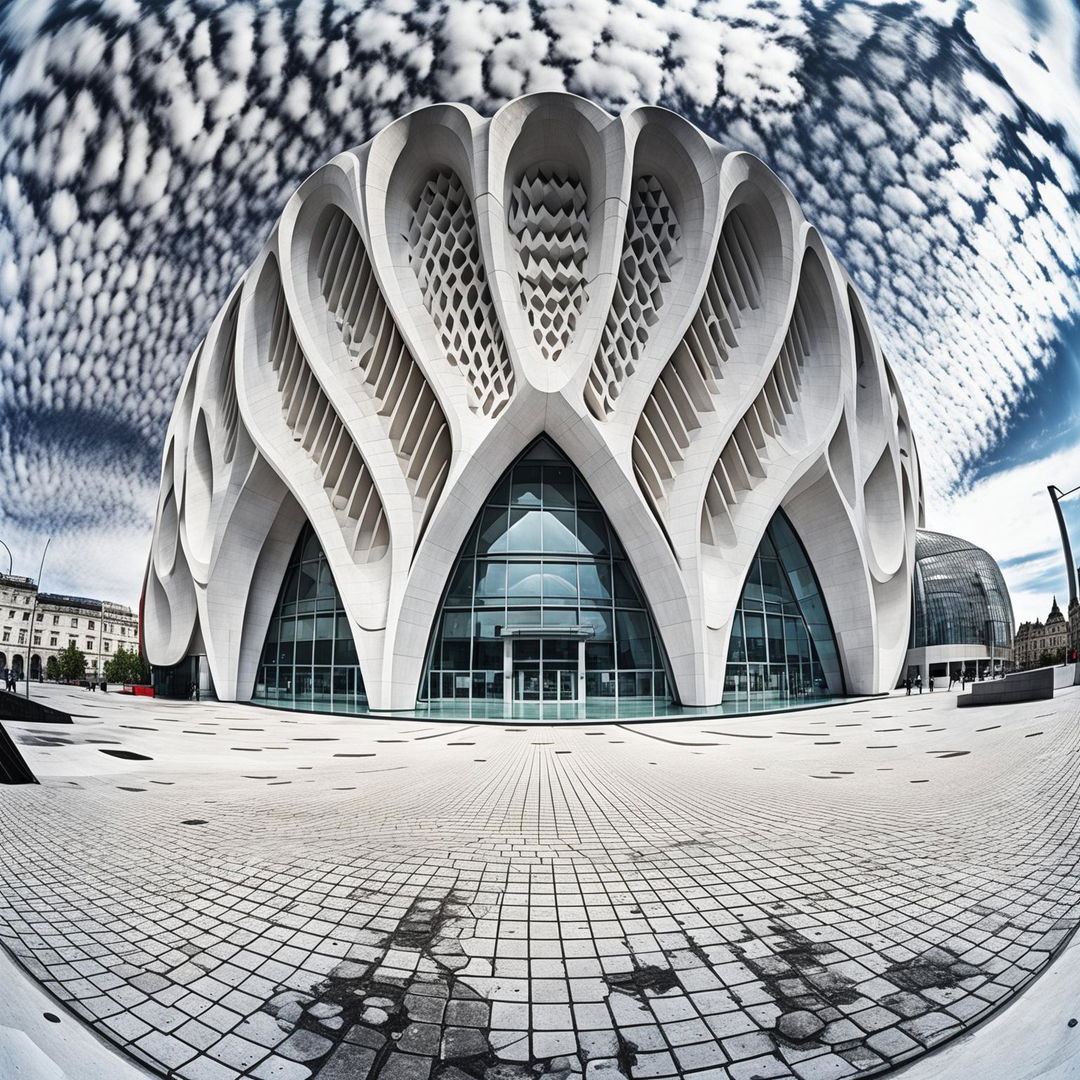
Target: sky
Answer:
[[146, 150]]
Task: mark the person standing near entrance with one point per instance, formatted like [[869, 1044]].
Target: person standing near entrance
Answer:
[[907, 685], [918, 681]]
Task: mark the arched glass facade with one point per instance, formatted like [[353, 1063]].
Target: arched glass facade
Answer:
[[309, 658], [542, 604], [782, 647], [958, 595]]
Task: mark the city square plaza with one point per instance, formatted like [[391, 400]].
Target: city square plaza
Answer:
[[218, 890], [542, 526]]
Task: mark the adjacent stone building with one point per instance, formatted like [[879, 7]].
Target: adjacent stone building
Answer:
[[1040, 642], [1074, 631], [30, 633]]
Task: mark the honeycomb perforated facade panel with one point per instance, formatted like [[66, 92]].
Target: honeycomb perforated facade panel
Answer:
[[432, 303]]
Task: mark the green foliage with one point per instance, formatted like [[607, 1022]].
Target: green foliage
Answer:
[[127, 666], [52, 668], [72, 663]]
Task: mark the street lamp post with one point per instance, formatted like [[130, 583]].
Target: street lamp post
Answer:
[[101, 631], [1056, 495], [33, 617], [1072, 570]]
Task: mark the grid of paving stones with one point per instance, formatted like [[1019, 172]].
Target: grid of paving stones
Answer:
[[270, 895]]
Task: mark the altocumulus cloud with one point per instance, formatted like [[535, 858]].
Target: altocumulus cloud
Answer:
[[145, 151]]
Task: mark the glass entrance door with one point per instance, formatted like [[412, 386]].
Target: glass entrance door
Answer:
[[547, 671]]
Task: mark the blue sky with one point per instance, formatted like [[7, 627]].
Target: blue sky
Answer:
[[146, 149]]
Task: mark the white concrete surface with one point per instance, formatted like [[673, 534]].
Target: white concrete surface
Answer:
[[1029, 1039], [35, 1048]]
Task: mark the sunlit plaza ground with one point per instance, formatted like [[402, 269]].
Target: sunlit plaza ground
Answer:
[[224, 890]]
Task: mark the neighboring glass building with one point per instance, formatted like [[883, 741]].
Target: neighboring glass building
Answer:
[[961, 615], [553, 414]]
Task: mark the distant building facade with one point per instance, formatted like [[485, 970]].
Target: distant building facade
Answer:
[[30, 634], [1039, 643]]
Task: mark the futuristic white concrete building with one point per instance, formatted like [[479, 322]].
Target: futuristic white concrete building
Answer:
[[552, 406]]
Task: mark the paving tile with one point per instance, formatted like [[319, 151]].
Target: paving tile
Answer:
[[166, 1049], [236, 1052], [276, 1068]]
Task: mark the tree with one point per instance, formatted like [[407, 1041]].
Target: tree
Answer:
[[127, 666], [52, 668], [72, 663]]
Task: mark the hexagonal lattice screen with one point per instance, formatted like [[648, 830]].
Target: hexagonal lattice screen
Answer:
[[649, 250], [551, 234], [444, 251]]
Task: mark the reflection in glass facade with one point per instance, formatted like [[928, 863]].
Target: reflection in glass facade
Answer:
[[958, 595], [782, 646], [542, 604], [309, 658]]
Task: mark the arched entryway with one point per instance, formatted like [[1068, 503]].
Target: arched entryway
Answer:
[[543, 605], [17, 666], [35, 667]]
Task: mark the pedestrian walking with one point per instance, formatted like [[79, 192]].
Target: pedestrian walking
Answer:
[[931, 684], [918, 682], [907, 685]]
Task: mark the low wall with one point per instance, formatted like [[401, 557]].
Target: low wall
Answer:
[[13, 767], [1036, 685], [27, 711], [1066, 675]]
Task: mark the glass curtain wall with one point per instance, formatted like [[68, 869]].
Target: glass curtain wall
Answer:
[[782, 650], [959, 596], [309, 658], [542, 589]]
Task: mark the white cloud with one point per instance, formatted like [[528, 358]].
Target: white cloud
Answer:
[[63, 211], [1010, 515], [1039, 64]]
